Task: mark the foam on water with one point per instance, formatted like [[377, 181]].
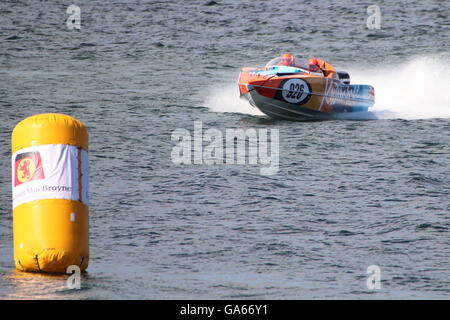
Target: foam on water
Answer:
[[226, 99], [418, 88]]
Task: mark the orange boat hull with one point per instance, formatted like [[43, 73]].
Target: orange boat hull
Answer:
[[296, 96]]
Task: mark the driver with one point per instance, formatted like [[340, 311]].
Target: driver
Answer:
[[316, 65]]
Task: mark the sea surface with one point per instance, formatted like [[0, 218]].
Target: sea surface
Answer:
[[347, 194]]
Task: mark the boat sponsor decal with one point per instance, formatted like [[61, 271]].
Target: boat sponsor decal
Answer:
[[296, 91], [350, 95]]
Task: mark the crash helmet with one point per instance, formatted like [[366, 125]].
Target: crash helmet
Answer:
[[313, 64], [287, 59]]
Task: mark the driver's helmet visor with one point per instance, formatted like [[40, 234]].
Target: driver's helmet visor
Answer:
[[287, 60]]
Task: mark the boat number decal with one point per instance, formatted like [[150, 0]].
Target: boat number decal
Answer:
[[295, 90]]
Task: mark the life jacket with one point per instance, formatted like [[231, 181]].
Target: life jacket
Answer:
[[327, 69]]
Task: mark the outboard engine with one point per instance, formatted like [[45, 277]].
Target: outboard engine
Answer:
[[344, 77]]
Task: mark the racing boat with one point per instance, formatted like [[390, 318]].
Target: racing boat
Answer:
[[305, 90]]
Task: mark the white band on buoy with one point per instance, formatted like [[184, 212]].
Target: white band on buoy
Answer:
[[50, 172]]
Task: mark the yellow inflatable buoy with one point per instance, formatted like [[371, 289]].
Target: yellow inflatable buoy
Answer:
[[50, 193]]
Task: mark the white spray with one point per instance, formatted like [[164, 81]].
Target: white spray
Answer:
[[418, 88], [226, 99]]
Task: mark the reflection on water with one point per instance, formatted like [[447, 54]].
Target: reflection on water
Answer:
[[31, 285]]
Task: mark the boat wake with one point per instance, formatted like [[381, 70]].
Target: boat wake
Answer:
[[416, 89], [226, 99]]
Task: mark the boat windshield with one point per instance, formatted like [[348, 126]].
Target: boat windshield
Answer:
[[299, 63]]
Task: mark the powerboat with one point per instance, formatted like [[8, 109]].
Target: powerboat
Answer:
[[304, 90]]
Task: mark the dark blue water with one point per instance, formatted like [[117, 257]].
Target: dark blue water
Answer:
[[347, 195]]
